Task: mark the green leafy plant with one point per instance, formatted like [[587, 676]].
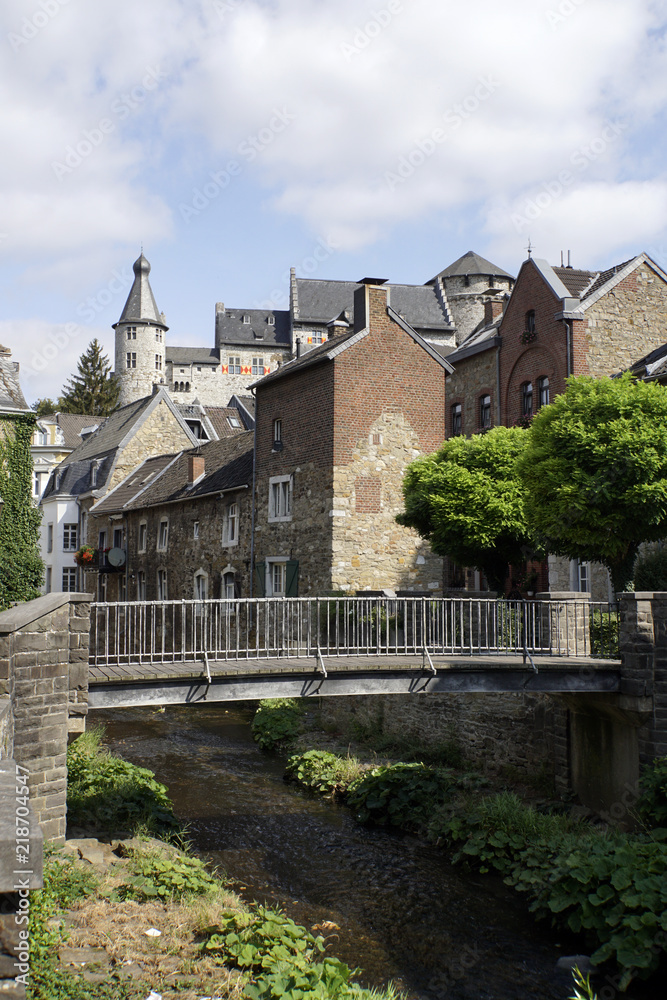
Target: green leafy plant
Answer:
[[652, 803], [605, 626], [260, 939], [401, 795], [582, 986], [651, 570], [159, 877], [21, 568], [277, 721], [107, 793], [322, 772]]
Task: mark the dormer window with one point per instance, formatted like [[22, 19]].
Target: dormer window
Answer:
[[234, 421], [246, 319], [271, 320], [94, 467]]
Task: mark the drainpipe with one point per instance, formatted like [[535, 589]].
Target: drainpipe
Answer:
[[568, 348], [252, 508], [498, 421]]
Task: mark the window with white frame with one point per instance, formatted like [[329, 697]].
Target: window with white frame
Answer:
[[36, 484], [131, 359], [163, 535], [41, 436], [102, 541], [49, 538], [271, 320], [143, 536], [201, 585], [234, 366], [280, 498], [277, 434], [258, 366], [158, 362], [70, 534], [162, 585], [228, 585], [195, 531], [277, 575], [119, 538], [141, 585], [158, 336], [583, 576], [230, 524]]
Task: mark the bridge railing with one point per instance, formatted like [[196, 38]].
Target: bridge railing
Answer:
[[267, 628]]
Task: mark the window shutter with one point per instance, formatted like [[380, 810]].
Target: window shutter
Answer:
[[260, 579], [292, 578]]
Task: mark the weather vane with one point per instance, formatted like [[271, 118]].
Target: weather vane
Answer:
[[529, 248]]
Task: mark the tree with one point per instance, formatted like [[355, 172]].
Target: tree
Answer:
[[44, 407], [94, 390], [21, 568], [469, 504], [595, 472]]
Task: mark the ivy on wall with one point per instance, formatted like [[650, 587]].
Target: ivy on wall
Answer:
[[21, 568]]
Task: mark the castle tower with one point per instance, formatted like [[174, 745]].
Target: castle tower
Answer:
[[140, 339], [466, 285]]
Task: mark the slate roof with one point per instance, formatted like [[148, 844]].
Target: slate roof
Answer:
[[71, 425], [192, 355], [471, 263], [476, 342], [228, 465], [141, 304], [653, 365], [230, 328], [74, 478], [320, 301], [111, 432], [12, 399]]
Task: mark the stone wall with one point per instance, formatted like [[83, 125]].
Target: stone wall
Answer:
[[495, 731], [626, 323], [44, 672], [159, 434], [213, 385], [562, 576], [466, 299], [473, 378], [147, 346]]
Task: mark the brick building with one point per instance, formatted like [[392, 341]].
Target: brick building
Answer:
[[335, 430], [184, 522], [559, 321]]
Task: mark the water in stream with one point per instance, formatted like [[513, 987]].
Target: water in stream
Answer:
[[402, 911]]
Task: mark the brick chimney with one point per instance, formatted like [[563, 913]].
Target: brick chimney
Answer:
[[196, 468], [493, 308], [369, 296]]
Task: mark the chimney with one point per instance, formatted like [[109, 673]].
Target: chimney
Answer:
[[369, 294], [196, 468], [492, 310]]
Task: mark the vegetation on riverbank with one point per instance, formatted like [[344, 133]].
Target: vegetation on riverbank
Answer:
[[607, 885], [136, 914]]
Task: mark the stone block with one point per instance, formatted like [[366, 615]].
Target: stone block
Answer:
[[57, 640], [29, 642]]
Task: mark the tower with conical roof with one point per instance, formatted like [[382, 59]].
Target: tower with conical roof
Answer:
[[140, 339], [467, 286]]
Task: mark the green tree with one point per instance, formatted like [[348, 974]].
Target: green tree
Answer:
[[21, 568], [44, 407], [94, 390], [468, 502], [595, 472]]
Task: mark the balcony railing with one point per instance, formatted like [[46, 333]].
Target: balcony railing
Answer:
[[270, 628]]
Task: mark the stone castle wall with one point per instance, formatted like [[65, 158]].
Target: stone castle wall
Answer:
[[466, 301], [149, 345], [473, 378], [159, 434]]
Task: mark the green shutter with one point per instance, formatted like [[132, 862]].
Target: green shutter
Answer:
[[260, 579], [292, 578]]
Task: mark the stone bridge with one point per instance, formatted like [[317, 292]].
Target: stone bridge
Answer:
[[61, 656]]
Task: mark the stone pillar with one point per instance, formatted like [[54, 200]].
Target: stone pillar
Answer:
[[43, 670], [564, 623], [643, 645]]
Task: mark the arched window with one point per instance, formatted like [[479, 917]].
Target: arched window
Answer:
[[527, 399], [187, 387], [543, 391], [228, 586], [201, 585], [175, 386], [485, 412]]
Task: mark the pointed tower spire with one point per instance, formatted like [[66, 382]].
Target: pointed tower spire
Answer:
[[140, 339]]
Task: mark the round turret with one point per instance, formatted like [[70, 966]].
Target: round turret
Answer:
[[140, 339]]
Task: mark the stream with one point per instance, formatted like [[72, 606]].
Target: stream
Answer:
[[402, 911]]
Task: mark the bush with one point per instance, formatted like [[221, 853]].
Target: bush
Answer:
[[604, 626], [277, 721], [157, 877], [322, 772], [401, 795], [105, 793], [651, 570], [652, 803]]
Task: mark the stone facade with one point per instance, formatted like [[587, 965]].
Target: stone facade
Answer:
[[564, 574], [214, 384], [44, 673], [140, 361], [465, 295], [159, 434], [473, 378], [349, 426]]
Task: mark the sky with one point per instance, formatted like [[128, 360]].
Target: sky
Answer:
[[234, 139]]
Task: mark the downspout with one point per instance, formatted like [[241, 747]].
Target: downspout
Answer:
[[252, 507], [568, 347], [498, 421]]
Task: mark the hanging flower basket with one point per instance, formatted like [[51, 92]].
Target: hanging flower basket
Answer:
[[528, 336], [86, 556]]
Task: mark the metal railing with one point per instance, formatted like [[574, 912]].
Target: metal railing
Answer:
[[269, 628]]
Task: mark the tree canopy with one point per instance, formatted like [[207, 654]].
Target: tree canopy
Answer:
[[595, 471], [94, 390], [44, 407], [468, 502]]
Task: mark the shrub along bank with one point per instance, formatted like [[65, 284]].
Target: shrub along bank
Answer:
[[220, 946], [607, 885]]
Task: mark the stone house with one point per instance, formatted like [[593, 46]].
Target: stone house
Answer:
[[335, 430], [558, 321], [184, 522], [142, 429]]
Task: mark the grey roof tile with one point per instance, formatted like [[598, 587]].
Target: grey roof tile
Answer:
[[471, 263], [141, 304], [11, 394], [320, 301], [192, 355], [133, 485], [230, 330]]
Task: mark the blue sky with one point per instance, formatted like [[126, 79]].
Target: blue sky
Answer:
[[237, 138]]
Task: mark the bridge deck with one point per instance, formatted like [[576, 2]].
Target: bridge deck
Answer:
[[247, 679]]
